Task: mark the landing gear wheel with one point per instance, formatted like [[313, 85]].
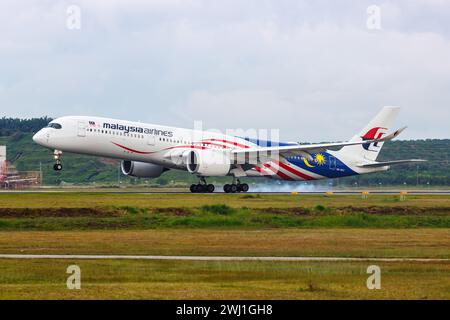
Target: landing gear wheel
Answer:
[[210, 188], [244, 187], [201, 188], [233, 188], [57, 156], [193, 188], [227, 188]]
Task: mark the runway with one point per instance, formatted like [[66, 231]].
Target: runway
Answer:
[[214, 258], [338, 193]]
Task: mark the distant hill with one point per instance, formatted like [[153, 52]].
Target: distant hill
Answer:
[[10, 126], [17, 134], [435, 172]]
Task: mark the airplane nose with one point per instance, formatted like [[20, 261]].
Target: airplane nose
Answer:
[[39, 137]]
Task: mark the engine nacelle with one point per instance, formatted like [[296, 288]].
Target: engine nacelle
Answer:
[[207, 163], [141, 169]]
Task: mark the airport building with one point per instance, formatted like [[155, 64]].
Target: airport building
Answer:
[[11, 178]]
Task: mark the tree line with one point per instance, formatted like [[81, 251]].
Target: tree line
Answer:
[[10, 126], [434, 172]]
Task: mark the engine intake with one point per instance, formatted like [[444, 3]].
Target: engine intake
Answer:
[[208, 163], [141, 169]]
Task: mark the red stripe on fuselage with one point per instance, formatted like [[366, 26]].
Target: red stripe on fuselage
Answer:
[[264, 174], [188, 146], [215, 144], [292, 170], [143, 152], [277, 172], [229, 142], [132, 150]]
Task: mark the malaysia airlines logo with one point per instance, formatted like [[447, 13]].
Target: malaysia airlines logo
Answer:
[[92, 124], [374, 133]]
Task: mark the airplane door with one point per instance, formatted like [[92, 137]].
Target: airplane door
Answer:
[[81, 129], [332, 163], [151, 140]]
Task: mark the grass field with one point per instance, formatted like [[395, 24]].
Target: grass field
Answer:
[[85, 211], [224, 225], [221, 280], [425, 243], [84, 199]]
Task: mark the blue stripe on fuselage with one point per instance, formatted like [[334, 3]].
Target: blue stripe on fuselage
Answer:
[[268, 143], [333, 167], [328, 170]]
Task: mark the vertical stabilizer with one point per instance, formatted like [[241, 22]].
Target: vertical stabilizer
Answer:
[[376, 129]]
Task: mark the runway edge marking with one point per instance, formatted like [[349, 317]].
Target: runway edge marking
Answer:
[[217, 258]]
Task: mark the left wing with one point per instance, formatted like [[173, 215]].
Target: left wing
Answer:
[[307, 150]]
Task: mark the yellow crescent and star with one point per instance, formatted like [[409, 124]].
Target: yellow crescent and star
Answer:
[[319, 159]]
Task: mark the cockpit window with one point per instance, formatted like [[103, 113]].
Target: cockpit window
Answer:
[[54, 125]]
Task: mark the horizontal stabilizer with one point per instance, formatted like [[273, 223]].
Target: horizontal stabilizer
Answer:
[[390, 163]]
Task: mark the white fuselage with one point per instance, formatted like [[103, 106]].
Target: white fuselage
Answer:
[[167, 146], [132, 141]]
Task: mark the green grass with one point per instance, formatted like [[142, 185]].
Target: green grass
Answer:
[[219, 216], [221, 209], [223, 225], [43, 279], [93, 211], [103, 199], [355, 242]]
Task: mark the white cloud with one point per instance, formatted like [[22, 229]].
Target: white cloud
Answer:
[[311, 69]]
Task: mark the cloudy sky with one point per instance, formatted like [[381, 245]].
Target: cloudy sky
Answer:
[[313, 69]]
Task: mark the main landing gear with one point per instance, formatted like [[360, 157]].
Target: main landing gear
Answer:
[[202, 187], [57, 155], [235, 187]]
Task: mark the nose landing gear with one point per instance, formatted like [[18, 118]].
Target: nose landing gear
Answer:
[[57, 155]]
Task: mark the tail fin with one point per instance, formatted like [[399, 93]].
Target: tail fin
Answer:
[[376, 129]]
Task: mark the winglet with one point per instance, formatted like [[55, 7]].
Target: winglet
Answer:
[[391, 136]]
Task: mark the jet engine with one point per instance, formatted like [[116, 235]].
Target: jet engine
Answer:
[[141, 169], [208, 163]]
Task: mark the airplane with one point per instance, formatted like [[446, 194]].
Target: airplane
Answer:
[[149, 150]]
